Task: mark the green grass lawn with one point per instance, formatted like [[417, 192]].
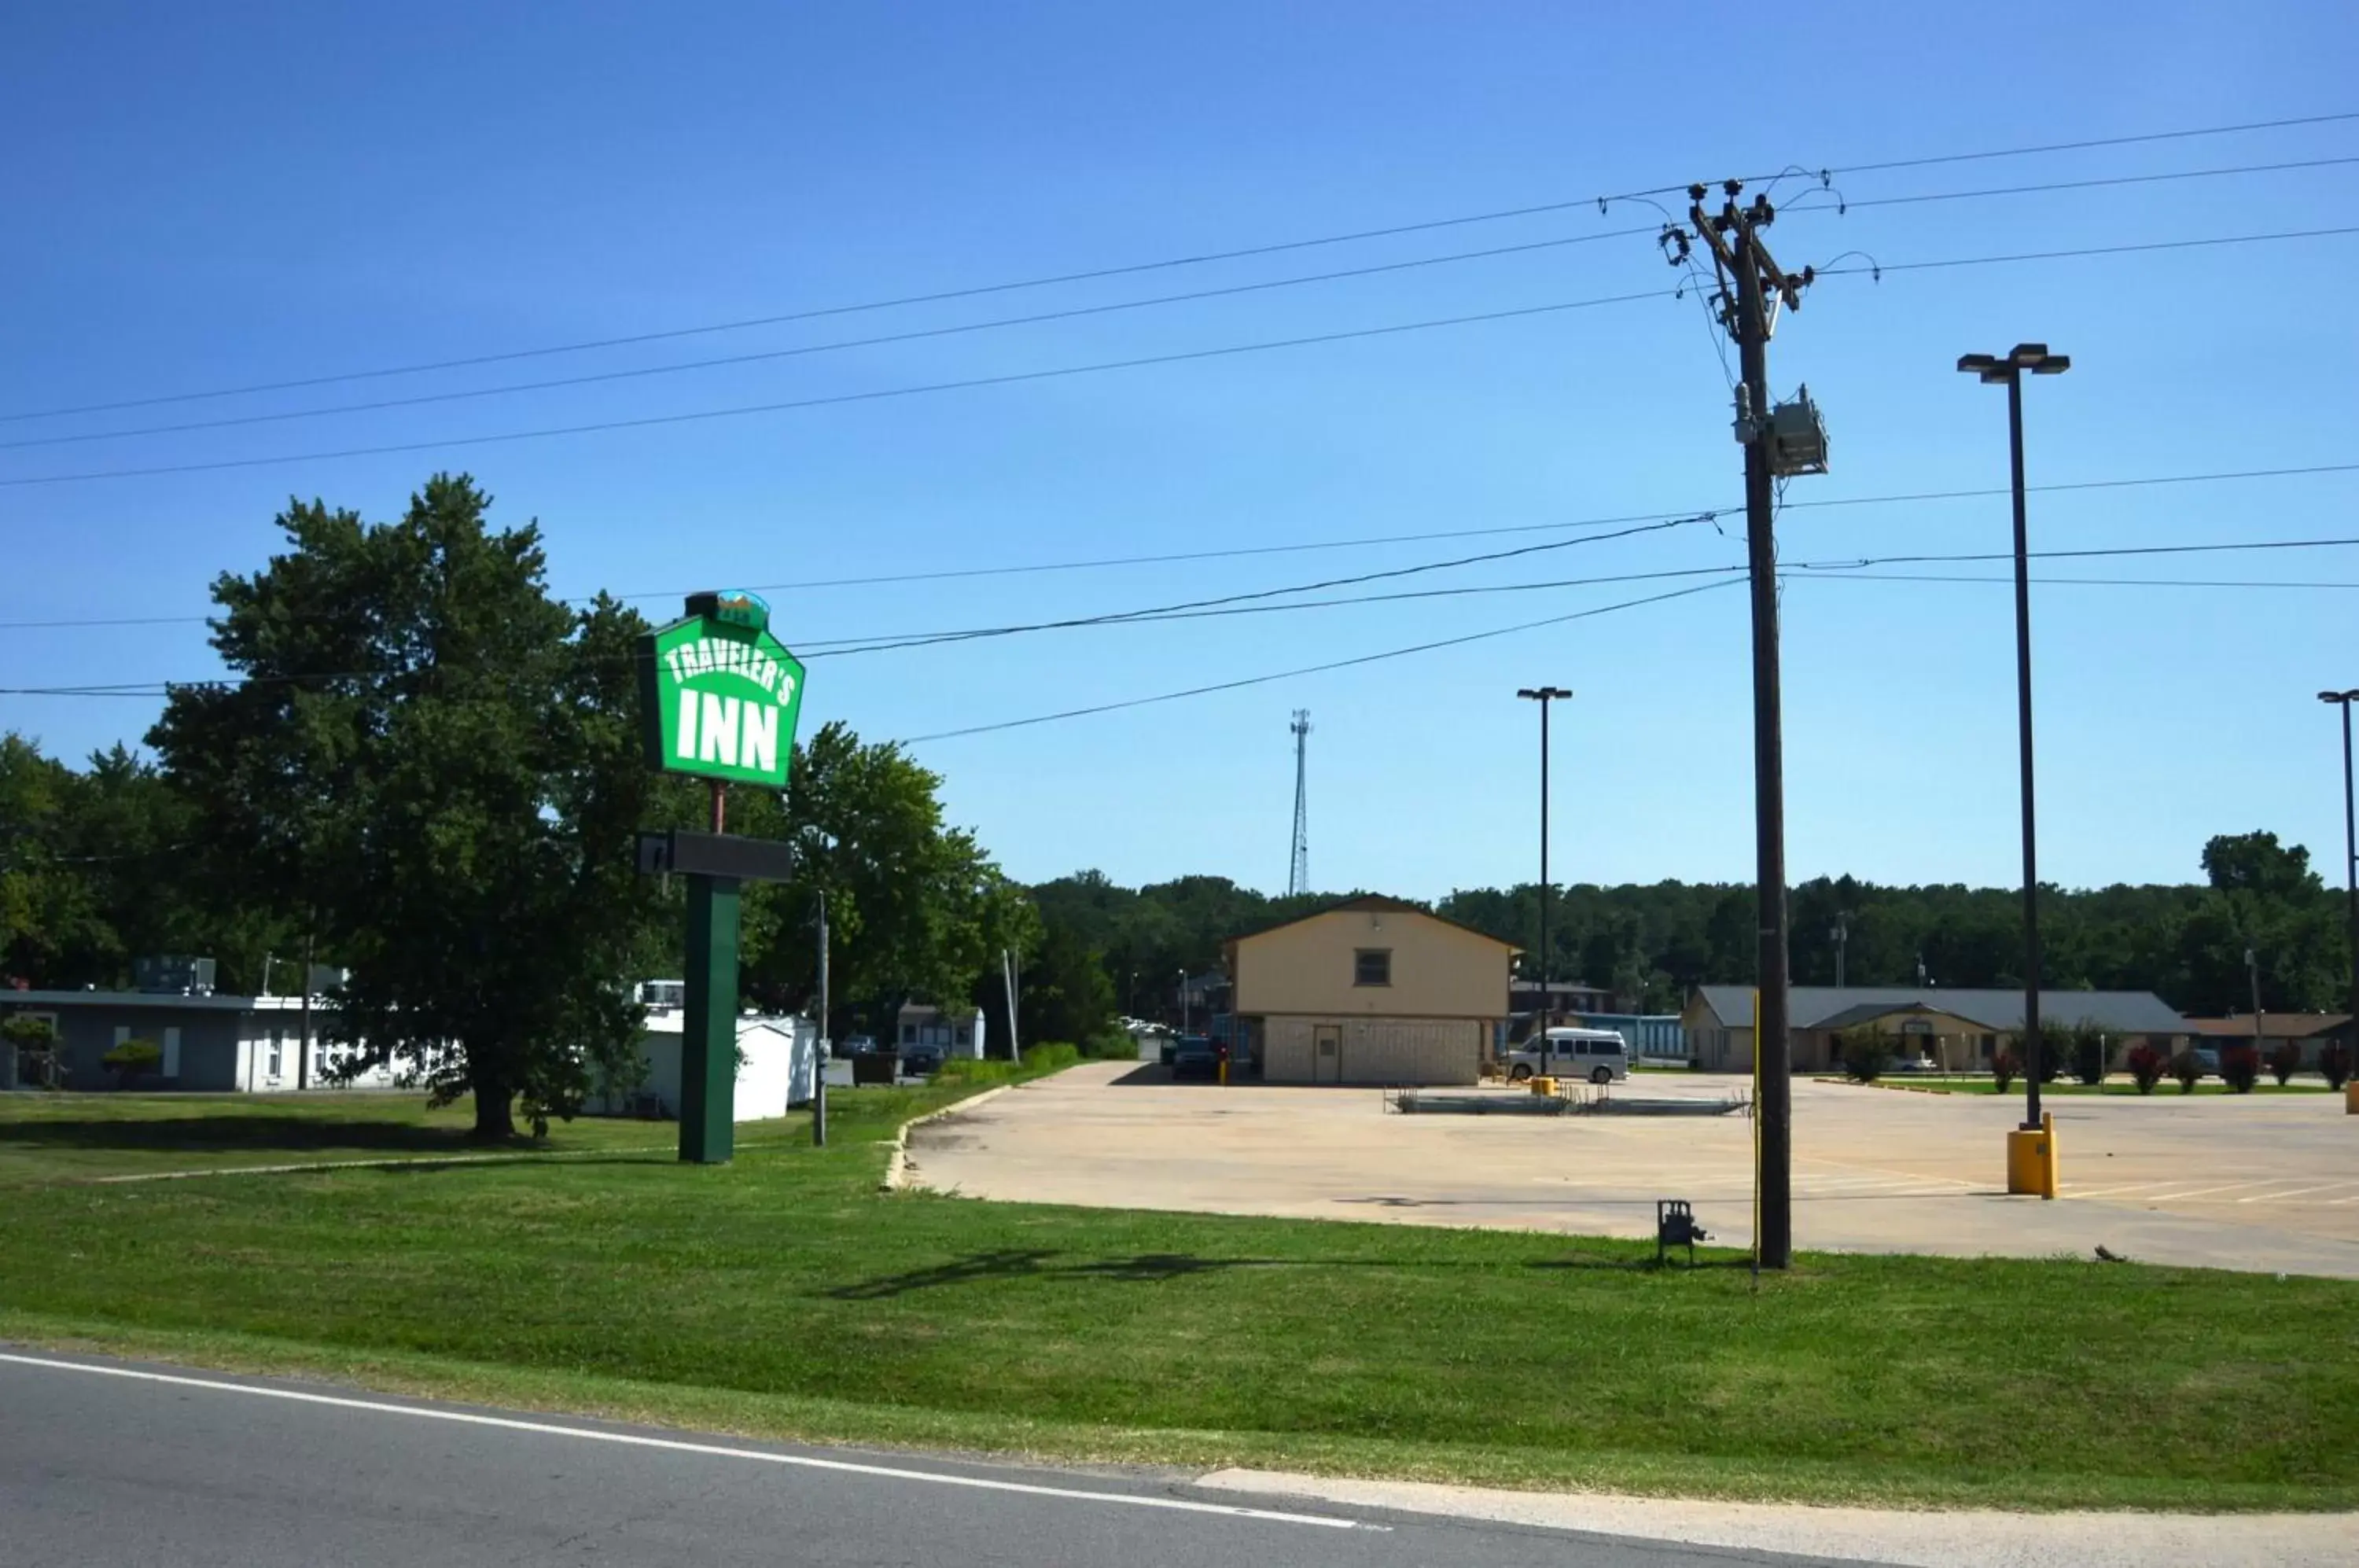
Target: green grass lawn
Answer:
[[785, 1295], [1985, 1084]]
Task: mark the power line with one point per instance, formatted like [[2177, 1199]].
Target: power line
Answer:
[[877, 395], [1053, 373], [1827, 570], [1203, 606], [2066, 582], [2096, 142], [1131, 270], [1077, 312], [1311, 669], [1878, 268], [1845, 204], [801, 349], [1100, 563]]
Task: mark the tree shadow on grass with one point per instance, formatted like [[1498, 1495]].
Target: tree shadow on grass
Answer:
[[254, 1134], [1144, 1269]]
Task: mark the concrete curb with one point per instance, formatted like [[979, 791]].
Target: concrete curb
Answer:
[[1976, 1538], [897, 1168]]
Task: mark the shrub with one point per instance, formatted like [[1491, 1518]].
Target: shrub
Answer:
[[2047, 1055], [2240, 1068], [2283, 1063], [35, 1041], [1113, 1046], [2003, 1067], [1048, 1057], [131, 1059], [2147, 1064], [2334, 1061], [2186, 1070], [2089, 1056], [1865, 1052]]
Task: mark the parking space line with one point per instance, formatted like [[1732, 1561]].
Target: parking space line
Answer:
[[2207, 1191], [2297, 1193]]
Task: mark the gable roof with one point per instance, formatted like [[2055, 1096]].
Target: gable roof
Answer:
[[1374, 903], [1817, 1006]]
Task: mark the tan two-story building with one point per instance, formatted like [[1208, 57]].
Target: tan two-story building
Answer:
[[1370, 991]]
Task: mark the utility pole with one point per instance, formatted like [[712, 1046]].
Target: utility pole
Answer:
[[303, 1045], [1297, 869], [1843, 941], [1778, 441], [821, 1052], [1544, 695], [1007, 968], [2253, 973]]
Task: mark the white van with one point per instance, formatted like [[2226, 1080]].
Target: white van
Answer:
[[1598, 1055]]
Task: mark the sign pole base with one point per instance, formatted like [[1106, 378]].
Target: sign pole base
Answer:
[[708, 1044]]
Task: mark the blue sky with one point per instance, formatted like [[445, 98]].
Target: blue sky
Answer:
[[247, 193]]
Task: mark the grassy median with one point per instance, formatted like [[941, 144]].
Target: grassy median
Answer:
[[785, 1295]]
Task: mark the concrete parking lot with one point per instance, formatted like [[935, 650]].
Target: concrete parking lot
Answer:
[[2262, 1182]]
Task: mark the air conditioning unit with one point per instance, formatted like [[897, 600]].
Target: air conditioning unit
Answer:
[[173, 974]]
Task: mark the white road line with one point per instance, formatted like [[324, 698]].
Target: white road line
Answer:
[[2297, 1193], [675, 1445], [2207, 1191]]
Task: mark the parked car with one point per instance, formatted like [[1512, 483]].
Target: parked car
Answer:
[[860, 1045], [921, 1059], [1598, 1055], [2208, 1058], [1195, 1054]]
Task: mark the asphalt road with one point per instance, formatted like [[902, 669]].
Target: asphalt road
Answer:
[[125, 1465]]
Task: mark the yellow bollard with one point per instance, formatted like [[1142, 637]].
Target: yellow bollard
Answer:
[[1543, 1085], [1225, 1072], [2031, 1165]]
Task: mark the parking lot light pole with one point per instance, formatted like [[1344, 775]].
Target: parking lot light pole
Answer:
[[2009, 373], [2350, 872], [1544, 695]]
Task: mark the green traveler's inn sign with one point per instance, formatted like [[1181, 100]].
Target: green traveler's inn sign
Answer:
[[718, 699], [718, 695]]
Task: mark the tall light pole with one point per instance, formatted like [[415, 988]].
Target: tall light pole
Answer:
[[2009, 373], [2350, 872], [1544, 695]]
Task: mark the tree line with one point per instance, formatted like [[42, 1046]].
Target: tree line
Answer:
[[1650, 944]]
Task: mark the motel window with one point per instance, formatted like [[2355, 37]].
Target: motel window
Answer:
[[1372, 966]]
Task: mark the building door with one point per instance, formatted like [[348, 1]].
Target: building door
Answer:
[[1327, 1053]]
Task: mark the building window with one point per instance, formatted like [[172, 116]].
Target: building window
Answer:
[[1372, 966], [1990, 1046]]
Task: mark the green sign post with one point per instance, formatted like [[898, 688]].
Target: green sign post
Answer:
[[718, 698]]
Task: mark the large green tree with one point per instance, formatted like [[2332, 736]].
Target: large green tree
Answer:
[[915, 907], [432, 763]]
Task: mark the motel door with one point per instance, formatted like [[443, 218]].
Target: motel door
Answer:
[[1327, 1053]]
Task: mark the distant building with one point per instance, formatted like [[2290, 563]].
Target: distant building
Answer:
[[1565, 998], [1958, 1030], [2308, 1030], [1647, 1034], [959, 1031], [210, 1043], [1370, 990]]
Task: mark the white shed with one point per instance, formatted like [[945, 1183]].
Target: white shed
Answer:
[[777, 1057]]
